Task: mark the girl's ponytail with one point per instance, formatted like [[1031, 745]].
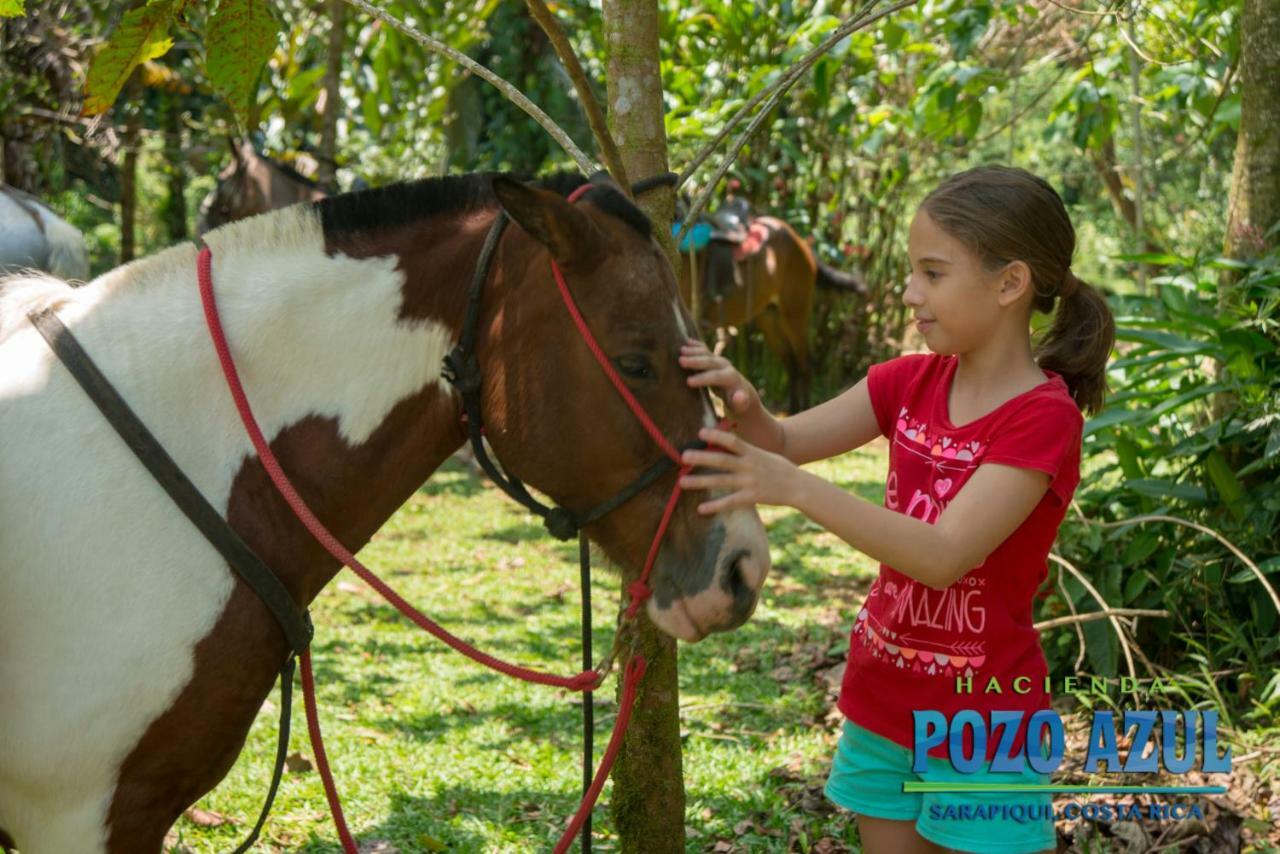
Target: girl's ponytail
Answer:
[[1079, 340]]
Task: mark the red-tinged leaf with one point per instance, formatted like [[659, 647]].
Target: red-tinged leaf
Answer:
[[242, 35], [143, 34]]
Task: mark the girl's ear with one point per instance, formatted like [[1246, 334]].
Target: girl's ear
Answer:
[[1015, 281]]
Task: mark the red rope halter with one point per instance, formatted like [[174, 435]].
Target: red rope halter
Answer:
[[587, 680]]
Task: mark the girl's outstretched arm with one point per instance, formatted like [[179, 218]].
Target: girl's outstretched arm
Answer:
[[989, 507]]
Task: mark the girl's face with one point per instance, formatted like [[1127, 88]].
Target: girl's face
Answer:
[[956, 301]]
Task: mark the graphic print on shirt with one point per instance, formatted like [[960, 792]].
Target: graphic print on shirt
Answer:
[[903, 622]]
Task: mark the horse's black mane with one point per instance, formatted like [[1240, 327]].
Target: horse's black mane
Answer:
[[398, 204]]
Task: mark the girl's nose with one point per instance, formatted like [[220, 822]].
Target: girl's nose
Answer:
[[911, 294]]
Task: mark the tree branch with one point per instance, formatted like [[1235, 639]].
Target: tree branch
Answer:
[[587, 96], [775, 92], [513, 94], [1115, 624], [1097, 615]]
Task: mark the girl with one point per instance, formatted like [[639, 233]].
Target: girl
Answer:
[[984, 457]]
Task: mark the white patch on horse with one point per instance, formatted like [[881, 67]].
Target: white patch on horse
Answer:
[[708, 414], [97, 563]]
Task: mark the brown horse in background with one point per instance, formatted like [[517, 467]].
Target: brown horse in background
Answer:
[[253, 184], [775, 288]]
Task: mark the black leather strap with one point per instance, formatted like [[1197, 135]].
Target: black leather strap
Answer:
[[282, 751]]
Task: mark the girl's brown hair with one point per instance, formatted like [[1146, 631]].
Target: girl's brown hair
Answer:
[[1006, 214]]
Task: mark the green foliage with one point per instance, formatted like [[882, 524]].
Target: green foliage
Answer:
[[143, 34], [1191, 430], [12, 8], [241, 36]]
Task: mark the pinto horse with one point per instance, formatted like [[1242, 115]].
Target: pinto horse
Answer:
[[132, 660], [778, 276]]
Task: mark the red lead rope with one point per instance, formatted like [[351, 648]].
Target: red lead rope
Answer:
[[585, 681]]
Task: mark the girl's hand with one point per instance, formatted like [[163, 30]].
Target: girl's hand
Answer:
[[710, 370], [749, 474]]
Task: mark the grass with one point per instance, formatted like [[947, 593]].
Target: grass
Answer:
[[433, 752]]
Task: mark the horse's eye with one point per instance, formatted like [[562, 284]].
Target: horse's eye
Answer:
[[635, 367]]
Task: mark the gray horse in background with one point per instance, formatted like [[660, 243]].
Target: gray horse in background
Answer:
[[33, 237]]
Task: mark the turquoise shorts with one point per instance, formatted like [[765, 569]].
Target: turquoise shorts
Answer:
[[867, 777]]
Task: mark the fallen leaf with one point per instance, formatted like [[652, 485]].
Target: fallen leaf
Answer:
[[206, 818], [297, 763]]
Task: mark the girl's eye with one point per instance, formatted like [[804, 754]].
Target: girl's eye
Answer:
[[931, 275], [635, 367]]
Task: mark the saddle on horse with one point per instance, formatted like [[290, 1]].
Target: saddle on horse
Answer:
[[727, 236]]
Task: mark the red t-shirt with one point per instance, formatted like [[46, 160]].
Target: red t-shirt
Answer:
[[910, 643]]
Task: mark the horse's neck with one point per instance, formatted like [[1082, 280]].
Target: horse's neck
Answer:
[[284, 189], [347, 389]]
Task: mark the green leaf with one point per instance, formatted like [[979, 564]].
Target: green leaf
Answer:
[[143, 34], [1226, 482], [1167, 340], [1113, 417], [1157, 259], [1267, 567], [1135, 585], [242, 35], [11, 9], [1103, 651], [1168, 490], [1141, 547]]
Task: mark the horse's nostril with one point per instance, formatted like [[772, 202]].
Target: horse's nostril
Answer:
[[735, 580]]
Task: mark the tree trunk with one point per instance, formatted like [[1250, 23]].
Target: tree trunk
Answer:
[[648, 783], [1255, 179], [1139, 178], [175, 205], [327, 175], [17, 166], [129, 179], [1254, 206], [1107, 165]]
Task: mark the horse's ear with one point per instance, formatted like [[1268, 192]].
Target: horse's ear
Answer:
[[237, 151], [566, 231]]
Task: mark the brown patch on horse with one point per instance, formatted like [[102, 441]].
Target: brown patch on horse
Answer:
[[189, 749]]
